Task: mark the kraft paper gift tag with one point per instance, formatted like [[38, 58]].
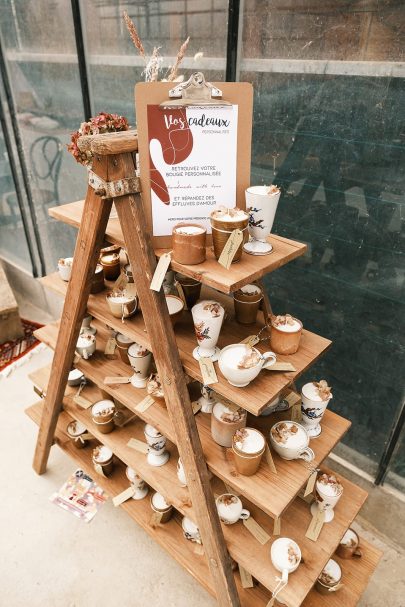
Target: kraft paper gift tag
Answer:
[[82, 401], [292, 399], [131, 289], [123, 496], [196, 407], [110, 346], [256, 530], [208, 373], [155, 519], [120, 283], [281, 366], [138, 445], [229, 250], [145, 404], [311, 483], [269, 459], [277, 526], [109, 381], [199, 549], [160, 271], [315, 526], [99, 470], [245, 578], [250, 340]]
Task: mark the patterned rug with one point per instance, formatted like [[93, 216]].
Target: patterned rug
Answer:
[[11, 351]]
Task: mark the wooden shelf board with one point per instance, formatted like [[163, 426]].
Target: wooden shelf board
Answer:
[[169, 535], [356, 575], [210, 272], [241, 545], [255, 397], [260, 488]]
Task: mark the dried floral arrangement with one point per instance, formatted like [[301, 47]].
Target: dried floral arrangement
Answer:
[[249, 360], [154, 63], [332, 481], [102, 123], [324, 391]]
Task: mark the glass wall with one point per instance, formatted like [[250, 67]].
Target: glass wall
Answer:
[[42, 64], [328, 128], [115, 65]]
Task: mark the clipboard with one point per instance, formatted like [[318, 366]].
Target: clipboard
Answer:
[[157, 94]]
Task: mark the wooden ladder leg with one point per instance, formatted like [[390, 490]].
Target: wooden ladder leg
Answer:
[[143, 262], [89, 240]]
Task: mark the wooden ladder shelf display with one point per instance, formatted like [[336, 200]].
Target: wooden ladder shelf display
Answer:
[[208, 467]]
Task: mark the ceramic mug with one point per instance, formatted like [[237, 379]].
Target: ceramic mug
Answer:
[[261, 203], [312, 409], [122, 305], [86, 345], [286, 556], [290, 440], [230, 509], [139, 485], [159, 504], [75, 431], [65, 268], [328, 492], [225, 421], [103, 413], [157, 454], [235, 359], [349, 546], [140, 360], [208, 316], [191, 531], [248, 446], [102, 458], [330, 578]]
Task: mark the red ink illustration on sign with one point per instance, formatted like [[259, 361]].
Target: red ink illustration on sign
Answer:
[[170, 142]]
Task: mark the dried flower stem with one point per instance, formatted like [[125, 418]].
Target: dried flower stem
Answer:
[[134, 35], [153, 66], [179, 58]]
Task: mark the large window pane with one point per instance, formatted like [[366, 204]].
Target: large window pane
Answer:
[[13, 243], [330, 133], [42, 62], [114, 64]]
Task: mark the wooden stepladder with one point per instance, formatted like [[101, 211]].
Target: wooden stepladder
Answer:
[[114, 168]]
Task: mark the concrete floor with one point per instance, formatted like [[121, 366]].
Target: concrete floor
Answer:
[[49, 558]]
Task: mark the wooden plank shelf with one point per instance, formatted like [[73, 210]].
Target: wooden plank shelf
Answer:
[[356, 575], [210, 272], [241, 545], [255, 397], [169, 536], [271, 492]]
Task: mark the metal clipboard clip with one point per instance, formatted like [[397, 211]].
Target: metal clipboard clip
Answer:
[[195, 92]]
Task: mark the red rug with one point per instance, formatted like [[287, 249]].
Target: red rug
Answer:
[[11, 351]]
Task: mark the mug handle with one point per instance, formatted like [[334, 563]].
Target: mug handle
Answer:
[[244, 515], [307, 454], [269, 359]]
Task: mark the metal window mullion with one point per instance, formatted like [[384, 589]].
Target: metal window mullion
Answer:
[[81, 59], [232, 40], [23, 165], [392, 441]]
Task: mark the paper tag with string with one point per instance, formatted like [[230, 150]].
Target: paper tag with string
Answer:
[[160, 271], [245, 577], [311, 483], [121, 282], [251, 340], [145, 404], [110, 346], [292, 399], [180, 291], [155, 519], [230, 248], [99, 470], [196, 406], [281, 366], [81, 400], [269, 459], [256, 530], [131, 289], [296, 412], [116, 380], [199, 549], [208, 373], [315, 526], [124, 496], [277, 526]]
